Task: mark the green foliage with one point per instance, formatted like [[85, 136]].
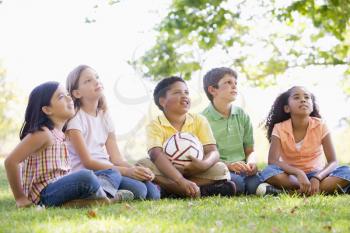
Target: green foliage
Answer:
[[261, 40], [8, 99], [330, 16]]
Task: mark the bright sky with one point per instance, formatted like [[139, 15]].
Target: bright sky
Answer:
[[43, 40]]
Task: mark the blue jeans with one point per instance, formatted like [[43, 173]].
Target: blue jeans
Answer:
[[245, 184], [141, 190], [78, 185], [342, 172]]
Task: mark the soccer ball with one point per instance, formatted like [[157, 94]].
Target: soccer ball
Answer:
[[179, 146]]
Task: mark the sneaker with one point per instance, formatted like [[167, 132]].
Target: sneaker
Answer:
[[266, 189], [122, 195], [225, 189]]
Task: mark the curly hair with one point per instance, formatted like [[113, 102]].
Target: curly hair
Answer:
[[277, 113]]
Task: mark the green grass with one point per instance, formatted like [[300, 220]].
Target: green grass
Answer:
[[239, 214]]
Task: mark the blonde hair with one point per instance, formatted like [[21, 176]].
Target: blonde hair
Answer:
[[72, 84]]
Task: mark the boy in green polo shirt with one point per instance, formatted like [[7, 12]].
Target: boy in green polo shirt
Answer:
[[232, 129], [205, 177]]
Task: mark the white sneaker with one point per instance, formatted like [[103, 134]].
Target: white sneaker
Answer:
[[266, 189]]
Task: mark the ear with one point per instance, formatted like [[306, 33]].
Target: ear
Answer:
[[76, 94], [212, 90], [162, 101], [46, 110], [286, 109]]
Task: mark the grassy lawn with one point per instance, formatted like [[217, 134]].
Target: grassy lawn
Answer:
[[239, 214]]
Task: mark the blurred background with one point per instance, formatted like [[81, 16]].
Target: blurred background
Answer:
[[272, 44]]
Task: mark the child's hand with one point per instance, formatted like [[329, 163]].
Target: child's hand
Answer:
[[140, 173], [195, 166], [23, 202], [149, 172], [315, 186], [253, 169], [238, 167], [304, 183]]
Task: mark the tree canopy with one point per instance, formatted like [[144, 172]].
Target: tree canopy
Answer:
[[261, 39]]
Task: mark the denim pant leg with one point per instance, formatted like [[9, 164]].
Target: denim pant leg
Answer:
[[252, 183], [270, 171], [109, 180], [342, 172], [137, 187], [78, 185], [239, 181], [153, 193]]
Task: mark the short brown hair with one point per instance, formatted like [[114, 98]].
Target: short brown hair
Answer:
[[213, 77]]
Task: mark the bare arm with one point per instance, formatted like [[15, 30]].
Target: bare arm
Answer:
[[248, 151], [30, 144], [139, 173], [330, 156], [114, 152], [249, 168], [80, 147], [251, 160], [211, 155], [164, 165], [274, 155]]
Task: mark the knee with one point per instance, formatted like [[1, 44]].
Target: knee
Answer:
[[252, 184], [153, 193], [87, 178], [140, 191], [239, 182]]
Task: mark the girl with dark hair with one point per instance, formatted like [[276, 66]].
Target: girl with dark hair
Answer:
[[42, 152], [92, 141], [298, 138]]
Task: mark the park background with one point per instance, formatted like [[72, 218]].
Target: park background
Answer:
[[44, 40], [272, 44]]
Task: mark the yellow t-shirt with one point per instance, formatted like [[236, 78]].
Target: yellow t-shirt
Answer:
[[160, 129]]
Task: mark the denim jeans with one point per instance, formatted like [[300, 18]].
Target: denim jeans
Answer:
[[78, 185], [271, 170], [245, 184], [141, 190]]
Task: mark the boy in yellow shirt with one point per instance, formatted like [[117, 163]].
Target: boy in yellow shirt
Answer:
[[205, 177]]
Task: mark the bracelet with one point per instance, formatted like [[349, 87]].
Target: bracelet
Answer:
[[316, 177]]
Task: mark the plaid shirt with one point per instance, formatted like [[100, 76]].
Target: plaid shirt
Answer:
[[45, 167]]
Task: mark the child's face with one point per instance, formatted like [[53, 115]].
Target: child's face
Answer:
[[226, 90], [89, 86], [299, 102], [177, 99], [61, 105]]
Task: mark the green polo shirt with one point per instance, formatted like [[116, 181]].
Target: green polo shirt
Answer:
[[232, 134]]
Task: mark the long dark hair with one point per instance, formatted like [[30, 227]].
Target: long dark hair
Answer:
[[35, 118], [277, 113]]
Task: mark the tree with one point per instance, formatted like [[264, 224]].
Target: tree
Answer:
[[287, 34]]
